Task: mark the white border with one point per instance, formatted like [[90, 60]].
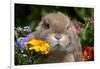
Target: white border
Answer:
[[4, 34], [12, 35], [78, 3], [73, 3]]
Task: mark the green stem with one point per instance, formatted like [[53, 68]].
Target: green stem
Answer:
[[87, 25]]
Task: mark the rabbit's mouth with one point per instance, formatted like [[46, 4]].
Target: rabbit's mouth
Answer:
[[57, 48], [57, 45]]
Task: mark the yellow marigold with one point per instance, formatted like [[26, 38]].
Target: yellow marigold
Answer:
[[38, 46]]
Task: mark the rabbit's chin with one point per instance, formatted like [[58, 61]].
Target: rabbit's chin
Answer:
[[58, 48]]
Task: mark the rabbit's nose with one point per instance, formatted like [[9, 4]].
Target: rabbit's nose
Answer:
[[58, 37]]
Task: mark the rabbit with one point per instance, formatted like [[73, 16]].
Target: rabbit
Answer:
[[58, 30]]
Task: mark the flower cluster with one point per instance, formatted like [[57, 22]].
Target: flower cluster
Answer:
[[25, 29], [88, 54], [23, 41], [38, 46], [29, 42]]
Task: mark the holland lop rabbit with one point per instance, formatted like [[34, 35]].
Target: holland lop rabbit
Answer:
[[59, 32]]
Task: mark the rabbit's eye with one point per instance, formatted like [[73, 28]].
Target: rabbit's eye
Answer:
[[46, 25]]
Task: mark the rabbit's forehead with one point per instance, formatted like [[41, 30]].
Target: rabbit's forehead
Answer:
[[57, 22], [56, 18], [58, 28]]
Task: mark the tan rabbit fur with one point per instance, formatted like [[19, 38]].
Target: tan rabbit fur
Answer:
[[59, 32]]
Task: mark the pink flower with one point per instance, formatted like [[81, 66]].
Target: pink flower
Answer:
[[78, 29], [77, 24]]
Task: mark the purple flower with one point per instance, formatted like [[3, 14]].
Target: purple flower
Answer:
[[29, 36], [23, 41]]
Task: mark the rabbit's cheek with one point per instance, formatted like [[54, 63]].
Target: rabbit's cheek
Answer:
[[51, 40], [64, 41]]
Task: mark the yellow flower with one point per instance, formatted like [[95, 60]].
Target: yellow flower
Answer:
[[36, 48], [39, 46]]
